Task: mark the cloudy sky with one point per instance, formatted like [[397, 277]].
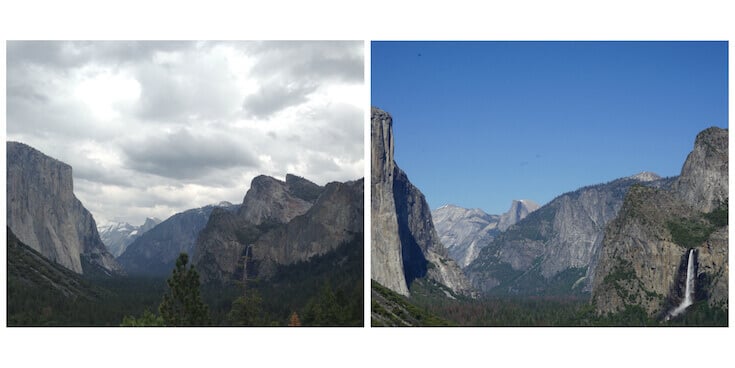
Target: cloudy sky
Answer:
[[155, 128]]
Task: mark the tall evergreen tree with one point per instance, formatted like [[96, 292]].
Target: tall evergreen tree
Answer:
[[247, 310], [182, 305]]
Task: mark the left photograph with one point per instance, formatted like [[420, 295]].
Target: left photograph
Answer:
[[182, 183]]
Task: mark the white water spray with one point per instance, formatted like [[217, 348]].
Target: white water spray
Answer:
[[689, 289]]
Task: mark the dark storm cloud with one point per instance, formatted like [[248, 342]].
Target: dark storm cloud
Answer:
[[182, 155], [93, 172], [273, 98]]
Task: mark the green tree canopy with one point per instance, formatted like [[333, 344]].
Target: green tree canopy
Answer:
[[247, 310], [182, 305]]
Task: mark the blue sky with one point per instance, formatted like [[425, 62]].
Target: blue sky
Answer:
[[478, 124]]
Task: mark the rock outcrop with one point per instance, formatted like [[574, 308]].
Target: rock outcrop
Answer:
[[464, 231], [279, 223], [703, 182], [555, 248], [519, 210], [386, 258], [44, 213], [154, 253], [336, 217], [643, 256], [405, 245]]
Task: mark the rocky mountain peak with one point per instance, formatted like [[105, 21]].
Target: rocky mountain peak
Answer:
[[519, 209], [381, 156], [272, 200], [645, 176], [464, 231], [149, 223], [703, 182]]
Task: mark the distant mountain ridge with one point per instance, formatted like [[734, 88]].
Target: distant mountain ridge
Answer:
[[554, 250], [44, 213], [118, 235], [465, 231], [154, 252]]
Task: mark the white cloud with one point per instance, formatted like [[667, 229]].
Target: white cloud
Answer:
[[154, 128]]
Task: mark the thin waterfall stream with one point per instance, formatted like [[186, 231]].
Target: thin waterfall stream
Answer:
[[689, 289]]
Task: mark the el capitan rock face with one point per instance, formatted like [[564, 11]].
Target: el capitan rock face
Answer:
[[386, 259], [405, 245], [43, 212], [642, 261]]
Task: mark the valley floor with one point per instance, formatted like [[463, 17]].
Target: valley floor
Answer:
[[426, 307]]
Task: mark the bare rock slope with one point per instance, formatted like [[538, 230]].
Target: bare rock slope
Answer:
[[44, 213], [278, 223], [554, 250], [405, 245]]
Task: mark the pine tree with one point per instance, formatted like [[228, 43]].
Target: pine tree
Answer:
[[182, 305], [246, 310]]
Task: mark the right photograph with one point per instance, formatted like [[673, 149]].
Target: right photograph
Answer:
[[549, 183]]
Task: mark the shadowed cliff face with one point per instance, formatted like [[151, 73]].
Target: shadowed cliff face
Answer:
[[44, 213], [405, 245], [279, 223], [268, 204], [646, 245], [155, 251]]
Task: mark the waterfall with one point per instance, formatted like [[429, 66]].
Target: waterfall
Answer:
[[688, 290]]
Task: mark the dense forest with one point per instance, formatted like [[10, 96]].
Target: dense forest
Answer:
[[431, 304], [325, 291]]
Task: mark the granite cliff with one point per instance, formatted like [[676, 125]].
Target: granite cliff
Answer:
[[465, 231], [645, 251], [405, 245], [554, 249], [44, 213], [278, 223]]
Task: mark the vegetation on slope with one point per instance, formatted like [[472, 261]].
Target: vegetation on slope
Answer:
[[389, 309]]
